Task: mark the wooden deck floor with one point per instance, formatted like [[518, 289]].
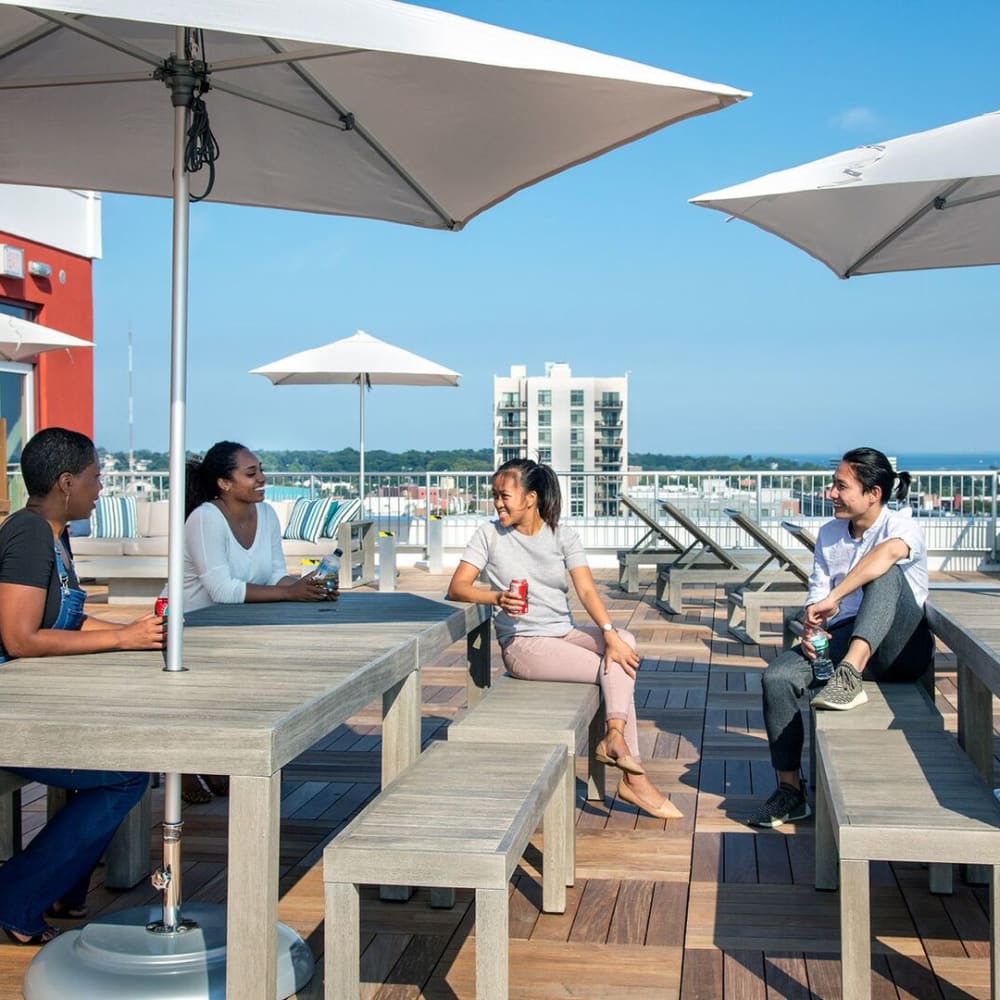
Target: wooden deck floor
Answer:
[[701, 908]]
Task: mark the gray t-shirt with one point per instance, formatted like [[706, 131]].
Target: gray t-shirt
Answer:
[[543, 560]]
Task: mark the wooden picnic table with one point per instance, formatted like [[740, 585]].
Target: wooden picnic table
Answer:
[[263, 683]]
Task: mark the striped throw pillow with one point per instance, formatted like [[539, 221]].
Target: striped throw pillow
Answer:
[[347, 511], [114, 517], [307, 519]]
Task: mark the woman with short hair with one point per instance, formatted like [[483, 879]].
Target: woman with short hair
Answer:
[[42, 614]]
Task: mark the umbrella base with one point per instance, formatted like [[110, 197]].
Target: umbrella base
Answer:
[[117, 958]]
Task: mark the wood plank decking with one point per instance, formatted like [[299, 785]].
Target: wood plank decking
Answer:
[[701, 908]]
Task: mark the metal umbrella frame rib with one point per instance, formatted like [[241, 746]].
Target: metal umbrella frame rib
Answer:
[[938, 203]]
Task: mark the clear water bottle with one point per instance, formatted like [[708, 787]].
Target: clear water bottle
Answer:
[[822, 665], [328, 570]]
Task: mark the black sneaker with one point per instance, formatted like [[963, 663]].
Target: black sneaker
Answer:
[[842, 691], [786, 805]]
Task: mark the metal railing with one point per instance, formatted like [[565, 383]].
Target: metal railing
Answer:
[[957, 508]]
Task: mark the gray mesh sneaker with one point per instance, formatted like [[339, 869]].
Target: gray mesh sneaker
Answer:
[[842, 691], [785, 805]]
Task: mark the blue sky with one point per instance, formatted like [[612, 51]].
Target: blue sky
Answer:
[[736, 342]]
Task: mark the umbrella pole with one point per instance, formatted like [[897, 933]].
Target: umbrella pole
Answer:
[[169, 876], [361, 477]]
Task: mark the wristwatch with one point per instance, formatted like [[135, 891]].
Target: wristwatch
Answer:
[[608, 627]]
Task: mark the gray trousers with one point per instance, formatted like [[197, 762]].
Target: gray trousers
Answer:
[[893, 625]]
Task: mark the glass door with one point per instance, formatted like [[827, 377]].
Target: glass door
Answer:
[[17, 406]]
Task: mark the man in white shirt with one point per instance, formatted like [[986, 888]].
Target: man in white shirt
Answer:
[[867, 592]]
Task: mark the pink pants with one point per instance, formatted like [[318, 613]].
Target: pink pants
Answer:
[[577, 656]]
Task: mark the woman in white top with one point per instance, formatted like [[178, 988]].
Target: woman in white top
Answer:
[[232, 552], [232, 541]]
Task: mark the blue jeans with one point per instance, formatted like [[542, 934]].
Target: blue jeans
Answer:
[[58, 863]]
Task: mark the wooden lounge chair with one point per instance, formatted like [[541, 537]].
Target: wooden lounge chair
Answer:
[[655, 547], [802, 535], [719, 566], [791, 628], [748, 599]]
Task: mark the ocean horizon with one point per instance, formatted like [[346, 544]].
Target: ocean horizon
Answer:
[[922, 461]]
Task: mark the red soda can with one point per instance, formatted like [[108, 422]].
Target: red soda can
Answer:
[[160, 607], [520, 588]]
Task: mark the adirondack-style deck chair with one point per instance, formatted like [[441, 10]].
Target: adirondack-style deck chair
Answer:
[[746, 600], [710, 564], [655, 547]]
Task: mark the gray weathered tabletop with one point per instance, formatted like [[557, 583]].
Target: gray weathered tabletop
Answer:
[[968, 622], [263, 682]]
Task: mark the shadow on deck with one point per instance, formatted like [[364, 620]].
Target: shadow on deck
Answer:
[[701, 907]]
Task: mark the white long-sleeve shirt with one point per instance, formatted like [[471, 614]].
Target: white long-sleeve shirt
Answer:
[[217, 568]]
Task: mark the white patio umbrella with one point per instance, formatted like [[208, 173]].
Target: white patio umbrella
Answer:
[[356, 107], [926, 200], [20, 339], [371, 108], [361, 359]]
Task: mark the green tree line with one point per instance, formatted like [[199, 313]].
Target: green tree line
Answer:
[[464, 459]]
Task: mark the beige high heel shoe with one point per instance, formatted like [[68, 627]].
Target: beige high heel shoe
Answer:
[[667, 810]]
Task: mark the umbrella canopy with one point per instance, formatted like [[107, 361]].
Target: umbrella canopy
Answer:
[[369, 108], [921, 201], [20, 339], [356, 107], [361, 359]]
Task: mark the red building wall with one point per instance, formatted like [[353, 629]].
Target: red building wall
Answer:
[[64, 379]]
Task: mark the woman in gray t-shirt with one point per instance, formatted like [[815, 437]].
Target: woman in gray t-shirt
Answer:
[[541, 643]]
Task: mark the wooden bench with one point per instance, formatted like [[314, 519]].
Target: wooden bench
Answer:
[[889, 706], [906, 706], [516, 712], [10, 813], [460, 816], [897, 795]]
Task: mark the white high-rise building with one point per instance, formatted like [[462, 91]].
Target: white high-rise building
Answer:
[[574, 424]]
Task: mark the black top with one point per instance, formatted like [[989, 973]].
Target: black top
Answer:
[[27, 556]]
